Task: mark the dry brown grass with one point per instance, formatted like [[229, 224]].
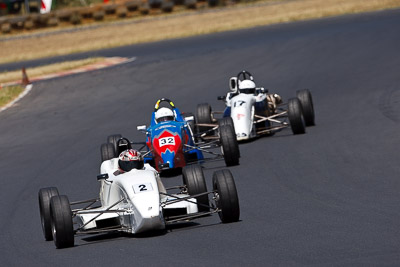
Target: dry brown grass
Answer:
[[48, 69], [167, 27]]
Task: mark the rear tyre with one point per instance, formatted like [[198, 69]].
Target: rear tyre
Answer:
[[45, 195], [227, 199], [113, 139], [203, 115], [229, 144], [308, 107], [295, 115], [195, 182], [61, 222], [107, 152]]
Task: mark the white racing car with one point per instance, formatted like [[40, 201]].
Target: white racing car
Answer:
[[136, 201], [254, 112]]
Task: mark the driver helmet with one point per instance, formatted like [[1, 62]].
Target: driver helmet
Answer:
[[247, 87], [130, 159], [164, 114]]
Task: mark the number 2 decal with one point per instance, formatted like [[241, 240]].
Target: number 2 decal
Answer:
[[166, 141], [142, 188]]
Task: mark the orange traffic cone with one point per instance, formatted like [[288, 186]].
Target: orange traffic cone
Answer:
[[25, 79]]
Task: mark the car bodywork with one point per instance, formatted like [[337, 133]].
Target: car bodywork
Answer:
[[252, 115], [135, 202], [171, 143], [132, 202]]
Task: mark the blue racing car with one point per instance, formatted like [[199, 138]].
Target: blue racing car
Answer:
[[173, 140]]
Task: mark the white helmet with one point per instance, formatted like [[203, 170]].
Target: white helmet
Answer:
[[247, 87], [164, 114]]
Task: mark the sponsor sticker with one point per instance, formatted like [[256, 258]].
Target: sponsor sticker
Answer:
[[165, 126], [239, 116]]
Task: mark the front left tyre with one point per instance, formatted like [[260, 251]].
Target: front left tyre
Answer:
[[61, 222], [229, 144]]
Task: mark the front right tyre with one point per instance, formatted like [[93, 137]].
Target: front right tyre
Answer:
[[107, 151], [203, 115], [226, 198], [295, 114], [226, 121], [113, 139], [61, 222], [308, 107], [45, 195]]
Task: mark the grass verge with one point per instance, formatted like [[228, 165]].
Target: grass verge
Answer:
[[135, 31], [48, 69], [9, 93]]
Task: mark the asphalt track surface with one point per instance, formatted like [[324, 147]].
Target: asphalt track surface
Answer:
[[329, 197]]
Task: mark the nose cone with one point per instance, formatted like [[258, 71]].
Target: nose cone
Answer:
[[168, 157], [242, 112], [242, 122], [148, 216], [167, 143]]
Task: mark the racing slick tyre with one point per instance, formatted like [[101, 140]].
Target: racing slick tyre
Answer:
[[193, 178], [229, 145], [295, 115], [61, 222], [45, 194], [107, 152], [226, 121], [113, 139], [227, 200], [308, 107], [203, 115]]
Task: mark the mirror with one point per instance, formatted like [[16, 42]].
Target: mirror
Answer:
[[233, 84], [189, 118], [262, 90], [102, 176], [141, 128]]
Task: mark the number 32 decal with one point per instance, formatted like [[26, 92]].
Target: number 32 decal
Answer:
[[166, 141]]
